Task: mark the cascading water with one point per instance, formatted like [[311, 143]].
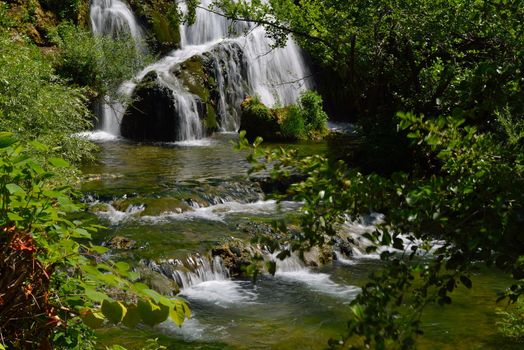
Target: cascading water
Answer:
[[114, 18], [277, 76], [241, 66], [194, 270]]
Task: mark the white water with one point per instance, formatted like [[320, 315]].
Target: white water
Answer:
[[293, 269], [242, 65], [205, 279], [217, 212], [114, 18]]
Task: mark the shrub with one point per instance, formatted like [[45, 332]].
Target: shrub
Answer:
[[293, 126], [98, 62], [315, 119], [54, 282], [305, 120], [37, 105]]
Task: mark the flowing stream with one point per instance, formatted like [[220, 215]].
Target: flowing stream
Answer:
[[179, 200]]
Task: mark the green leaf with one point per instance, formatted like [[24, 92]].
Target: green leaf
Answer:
[[114, 311], [99, 249], [38, 146], [92, 319], [95, 296], [122, 267], [466, 281], [15, 189], [132, 317], [271, 267], [151, 313], [14, 217], [176, 313], [58, 162], [7, 139]]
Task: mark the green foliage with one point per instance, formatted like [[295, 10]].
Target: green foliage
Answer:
[[52, 276], [511, 323], [100, 63], [303, 121], [293, 126], [315, 119], [5, 20], [36, 105], [472, 203], [462, 58]]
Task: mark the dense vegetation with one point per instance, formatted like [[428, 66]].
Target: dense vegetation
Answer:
[[451, 169], [55, 282], [305, 120]]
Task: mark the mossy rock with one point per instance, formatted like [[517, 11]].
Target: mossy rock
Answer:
[[121, 243], [194, 77], [166, 32], [236, 256]]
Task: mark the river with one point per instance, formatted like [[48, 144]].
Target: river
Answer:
[[179, 199]]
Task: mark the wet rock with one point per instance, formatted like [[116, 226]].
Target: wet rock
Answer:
[[270, 185], [157, 281], [235, 255], [152, 115], [121, 243], [213, 81], [316, 256]]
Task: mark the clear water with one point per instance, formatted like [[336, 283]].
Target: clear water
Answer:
[[299, 308]]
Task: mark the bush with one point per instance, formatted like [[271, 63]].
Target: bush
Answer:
[[54, 282], [293, 126], [303, 121], [315, 119], [37, 105], [101, 63]]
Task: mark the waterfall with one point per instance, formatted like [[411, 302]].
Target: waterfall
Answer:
[[114, 18], [192, 271], [277, 76], [241, 65]]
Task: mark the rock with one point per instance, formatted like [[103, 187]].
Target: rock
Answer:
[[258, 120], [121, 243], [157, 281], [235, 255], [151, 116], [211, 83]]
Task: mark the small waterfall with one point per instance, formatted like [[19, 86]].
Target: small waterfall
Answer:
[[114, 18], [192, 271]]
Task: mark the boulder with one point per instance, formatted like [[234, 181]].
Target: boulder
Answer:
[[152, 115]]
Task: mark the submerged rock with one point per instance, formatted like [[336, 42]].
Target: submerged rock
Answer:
[[121, 243]]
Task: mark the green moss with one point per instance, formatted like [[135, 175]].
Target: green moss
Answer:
[[210, 122], [194, 77], [165, 31], [258, 120]]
